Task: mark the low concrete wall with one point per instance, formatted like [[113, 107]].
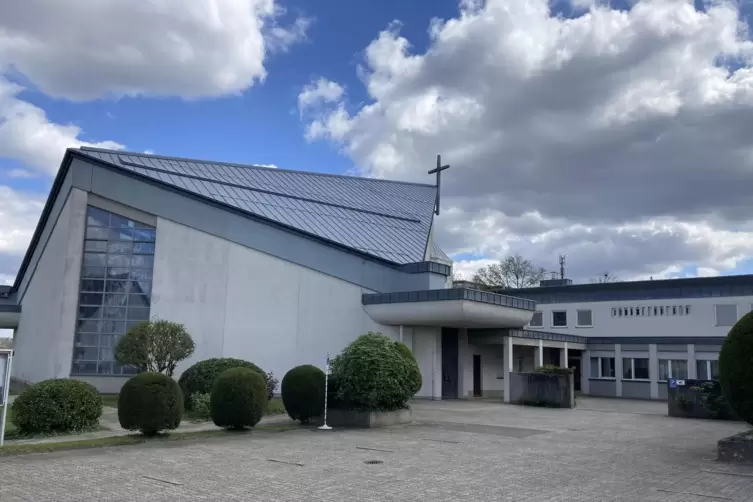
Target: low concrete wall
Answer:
[[687, 400], [368, 419], [738, 448], [542, 389]]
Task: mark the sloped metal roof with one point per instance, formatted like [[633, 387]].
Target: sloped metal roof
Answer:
[[385, 219], [438, 254]]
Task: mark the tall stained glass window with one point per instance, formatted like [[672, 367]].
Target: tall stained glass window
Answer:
[[115, 291]]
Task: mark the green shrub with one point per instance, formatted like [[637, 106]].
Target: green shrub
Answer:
[[303, 392], [58, 405], [736, 368], [239, 398], [551, 369], [415, 372], [200, 377], [155, 345], [374, 374], [150, 402], [200, 406]]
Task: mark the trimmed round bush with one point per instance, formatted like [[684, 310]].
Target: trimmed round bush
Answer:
[[57, 405], [303, 392], [238, 399], [736, 368], [373, 373], [200, 378], [416, 381], [150, 403]]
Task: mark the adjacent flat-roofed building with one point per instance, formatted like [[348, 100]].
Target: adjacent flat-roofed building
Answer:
[[641, 334]]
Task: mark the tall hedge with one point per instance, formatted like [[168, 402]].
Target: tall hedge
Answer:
[[150, 402], [238, 399], [375, 373], [736, 368], [57, 405], [199, 378], [303, 392]]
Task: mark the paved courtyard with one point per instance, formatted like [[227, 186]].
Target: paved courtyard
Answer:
[[456, 451]]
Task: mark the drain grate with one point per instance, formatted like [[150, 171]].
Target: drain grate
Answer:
[[372, 462]]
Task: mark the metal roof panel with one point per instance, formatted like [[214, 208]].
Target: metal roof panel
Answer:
[[386, 219]]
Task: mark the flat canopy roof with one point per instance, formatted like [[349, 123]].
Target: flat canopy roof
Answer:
[[9, 315], [457, 307]]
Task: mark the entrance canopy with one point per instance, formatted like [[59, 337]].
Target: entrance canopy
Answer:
[[458, 307]]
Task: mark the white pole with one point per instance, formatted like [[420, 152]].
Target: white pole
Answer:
[[326, 427], [6, 391]]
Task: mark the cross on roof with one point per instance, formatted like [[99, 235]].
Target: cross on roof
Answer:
[[438, 170]]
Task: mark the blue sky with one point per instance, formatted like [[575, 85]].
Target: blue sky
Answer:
[[515, 184], [262, 124]]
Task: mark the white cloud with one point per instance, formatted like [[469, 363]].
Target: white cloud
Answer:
[[19, 213], [281, 38], [615, 137], [83, 50], [319, 91], [27, 135]]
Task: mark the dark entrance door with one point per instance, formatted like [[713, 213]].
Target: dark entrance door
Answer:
[[574, 363], [449, 363], [477, 375]]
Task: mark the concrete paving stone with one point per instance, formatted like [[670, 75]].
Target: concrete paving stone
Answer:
[[456, 451]]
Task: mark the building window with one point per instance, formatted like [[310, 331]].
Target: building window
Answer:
[[707, 370], [672, 368], [537, 321], [687, 309], [115, 290], [584, 318], [614, 311], [602, 367], [559, 319], [634, 368], [726, 315]]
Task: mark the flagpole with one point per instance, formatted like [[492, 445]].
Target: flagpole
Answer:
[[326, 427]]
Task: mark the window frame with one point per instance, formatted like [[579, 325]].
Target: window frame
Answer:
[[716, 314], [126, 246], [707, 363], [632, 369], [670, 376], [591, 313], [600, 376], [552, 318]]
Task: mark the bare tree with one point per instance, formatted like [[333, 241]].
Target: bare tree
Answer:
[[604, 278], [6, 343], [511, 273]]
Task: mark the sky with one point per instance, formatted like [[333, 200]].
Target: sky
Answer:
[[615, 133]]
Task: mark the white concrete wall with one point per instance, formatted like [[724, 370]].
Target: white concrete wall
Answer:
[[700, 322], [44, 337], [427, 348], [238, 302]]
